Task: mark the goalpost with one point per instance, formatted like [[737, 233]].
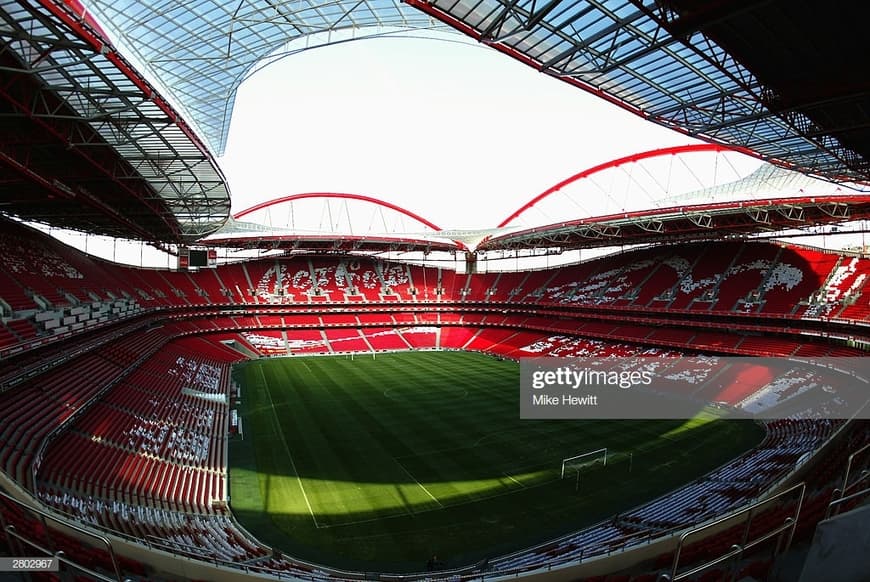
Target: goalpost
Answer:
[[577, 462]]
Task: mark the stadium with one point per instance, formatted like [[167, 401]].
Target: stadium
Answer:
[[327, 385]]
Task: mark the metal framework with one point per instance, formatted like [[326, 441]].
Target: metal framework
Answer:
[[559, 188], [728, 72], [113, 156], [364, 227], [338, 196], [312, 243], [89, 145], [353, 223], [181, 44], [765, 201], [668, 63], [716, 221]]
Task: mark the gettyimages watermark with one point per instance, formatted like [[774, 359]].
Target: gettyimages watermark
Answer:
[[682, 387]]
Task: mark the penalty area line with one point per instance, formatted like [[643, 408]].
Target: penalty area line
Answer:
[[408, 473], [514, 480], [287, 450]]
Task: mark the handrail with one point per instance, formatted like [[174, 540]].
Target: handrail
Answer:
[[846, 485], [45, 516], [747, 510], [841, 500], [10, 530]]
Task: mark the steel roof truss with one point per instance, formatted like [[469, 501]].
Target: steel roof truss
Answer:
[[759, 215], [835, 210], [700, 220], [650, 225], [791, 212]]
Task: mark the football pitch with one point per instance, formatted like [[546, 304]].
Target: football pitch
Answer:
[[376, 464]]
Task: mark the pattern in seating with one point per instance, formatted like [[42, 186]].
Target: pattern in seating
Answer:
[[159, 435], [751, 277], [157, 432], [34, 409]]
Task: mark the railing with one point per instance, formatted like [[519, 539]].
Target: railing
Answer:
[[44, 518], [736, 551], [849, 463], [836, 503]]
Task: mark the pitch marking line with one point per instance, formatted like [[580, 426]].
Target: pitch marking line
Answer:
[[467, 501], [287, 449], [408, 473], [514, 480]]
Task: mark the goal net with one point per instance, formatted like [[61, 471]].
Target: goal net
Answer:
[[583, 460]]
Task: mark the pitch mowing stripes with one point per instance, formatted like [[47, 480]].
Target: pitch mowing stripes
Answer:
[[356, 387], [339, 494], [269, 494], [392, 438], [287, 450], [398, 458], [335, 461], [375, 443]]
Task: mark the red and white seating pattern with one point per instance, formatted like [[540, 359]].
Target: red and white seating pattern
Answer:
[[268, 343], [159, 436], [783, 388], [307, 341], [184, 533], [157, 433], [729, 277], [842, 291], [34, 409]]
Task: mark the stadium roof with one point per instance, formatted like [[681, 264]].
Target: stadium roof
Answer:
[[180, 44], [718, 202], [695, 222], [684, 223], [88, 144], [785, 79], [781, 78], [110, 152], [333, 222]]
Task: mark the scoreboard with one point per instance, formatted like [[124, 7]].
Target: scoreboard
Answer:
[[196, 258]]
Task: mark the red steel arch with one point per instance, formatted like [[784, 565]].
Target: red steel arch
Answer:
[[344, 195], [661, 152]]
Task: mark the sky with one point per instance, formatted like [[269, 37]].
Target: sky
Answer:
[[453, 131]]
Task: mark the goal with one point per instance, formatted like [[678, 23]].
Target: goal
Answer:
[[583, 460]]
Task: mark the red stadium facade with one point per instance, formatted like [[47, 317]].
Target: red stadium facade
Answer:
[[111, 345], [98, 358]]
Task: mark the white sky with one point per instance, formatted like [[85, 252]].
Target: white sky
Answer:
[[456, 132]]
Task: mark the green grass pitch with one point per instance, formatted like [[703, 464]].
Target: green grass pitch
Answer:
[[378, 463]]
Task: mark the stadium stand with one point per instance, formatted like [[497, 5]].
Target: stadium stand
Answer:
[[267, 343], [727, 488], [783, 278], [385, 339], [115, 381], [150, 400]]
